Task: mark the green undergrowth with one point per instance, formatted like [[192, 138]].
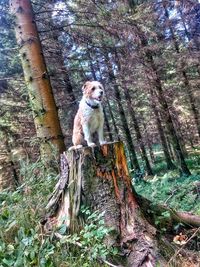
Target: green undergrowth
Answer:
[[22, 242], [167, 187]]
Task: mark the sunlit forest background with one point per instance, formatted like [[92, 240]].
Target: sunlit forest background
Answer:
[[147, 56]]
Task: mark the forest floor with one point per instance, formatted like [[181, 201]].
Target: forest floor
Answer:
[[179, 193], [23, 244], [167, 187]]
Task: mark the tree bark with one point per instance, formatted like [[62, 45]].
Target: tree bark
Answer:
[[39, 87], [60, 77], [99, 179], [127, 133]]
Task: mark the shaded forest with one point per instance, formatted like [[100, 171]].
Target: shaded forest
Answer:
[[147, 56]]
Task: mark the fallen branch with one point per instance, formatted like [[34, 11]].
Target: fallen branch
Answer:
[[184, 217], [152, 211]]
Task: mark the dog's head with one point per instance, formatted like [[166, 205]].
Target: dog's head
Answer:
[[93, 90]]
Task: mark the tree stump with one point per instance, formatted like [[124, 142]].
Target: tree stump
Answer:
[[99, 178]]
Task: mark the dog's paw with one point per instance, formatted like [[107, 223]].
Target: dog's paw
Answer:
[[74, 147], [78, 146], [71, 148], [103, 143], [91, 144]]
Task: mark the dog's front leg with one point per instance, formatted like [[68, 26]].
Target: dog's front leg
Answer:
[[100, 134], [87, 135]]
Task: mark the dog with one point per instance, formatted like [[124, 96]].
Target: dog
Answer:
[[90, 117]]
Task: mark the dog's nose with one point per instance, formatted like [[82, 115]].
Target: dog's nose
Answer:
[[101, 92]]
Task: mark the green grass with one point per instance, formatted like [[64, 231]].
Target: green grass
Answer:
[[180, 193], [22, 243]]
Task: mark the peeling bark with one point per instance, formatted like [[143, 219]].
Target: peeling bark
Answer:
[[99, 179]]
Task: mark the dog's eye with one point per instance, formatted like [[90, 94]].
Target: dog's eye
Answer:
[[93, 88]]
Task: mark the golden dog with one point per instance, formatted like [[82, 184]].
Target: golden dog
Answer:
[[89, 118]]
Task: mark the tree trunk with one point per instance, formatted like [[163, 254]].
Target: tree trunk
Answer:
[[173, 135], [157, 87], [170, 147], [60, 77], [127, 133], [134, 120], [191, 97], [170, 165], [100, 180], [137, 130], [39, 87], [186, 82], [189, 134], [112, 118], [149, 143]]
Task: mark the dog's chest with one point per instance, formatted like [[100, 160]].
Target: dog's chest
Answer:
[[94, 118]]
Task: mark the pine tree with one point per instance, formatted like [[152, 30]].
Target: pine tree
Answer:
[[39, 87]]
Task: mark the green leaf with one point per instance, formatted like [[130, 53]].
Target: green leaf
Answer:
[[10, 249], [32, 255], [62, 230], [8, 262]]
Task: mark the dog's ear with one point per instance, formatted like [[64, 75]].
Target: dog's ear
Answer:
[[85, 86]]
